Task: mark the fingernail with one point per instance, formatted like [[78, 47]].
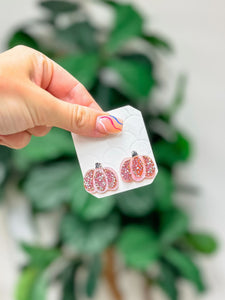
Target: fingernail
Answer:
[[109, 124]]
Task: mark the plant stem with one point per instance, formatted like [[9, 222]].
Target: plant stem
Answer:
[[110, 274], [147, 287]]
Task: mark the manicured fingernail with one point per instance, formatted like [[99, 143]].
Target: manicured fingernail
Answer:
[[109, 124]]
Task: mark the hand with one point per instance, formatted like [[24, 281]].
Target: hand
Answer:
[[36, 94]]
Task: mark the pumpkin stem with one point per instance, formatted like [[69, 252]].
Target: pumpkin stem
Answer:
[[98, 165], [134, 153]]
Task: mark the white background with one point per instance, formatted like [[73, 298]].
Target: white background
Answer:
[[197, 28]]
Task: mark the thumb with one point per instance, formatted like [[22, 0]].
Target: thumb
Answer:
[[80, 119]]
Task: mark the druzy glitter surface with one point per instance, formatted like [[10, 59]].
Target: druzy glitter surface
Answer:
[[100, 180], [112, 178], [137, 168], [149, 167], [88, 182], [125, 171]]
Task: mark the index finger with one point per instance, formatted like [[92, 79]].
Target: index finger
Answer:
[[61, 84]]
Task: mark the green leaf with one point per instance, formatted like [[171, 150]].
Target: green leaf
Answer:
[[39, 289], [202, 242], [135, 75], [55, 144], [32, 285], [21, 37], [128, 24], [93, 276], [39, 256], [169, 153], [89, 237], [69, 282], [139, 246], [174, 223], [108, 97], [178, 97], [81, 34], [25, 284], [58, 7], [5, 155], [185, 266], [136, 203], [162, 189], [5, 162], [159, 42], [49, 186], [87, 206], [82, 66], [167, 281]]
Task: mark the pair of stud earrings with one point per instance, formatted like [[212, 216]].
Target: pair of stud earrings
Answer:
[[135, 168]]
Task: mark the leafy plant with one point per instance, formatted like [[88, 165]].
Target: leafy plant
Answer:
[[145, 226]]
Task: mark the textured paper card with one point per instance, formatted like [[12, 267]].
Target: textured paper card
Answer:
[[110, 151]]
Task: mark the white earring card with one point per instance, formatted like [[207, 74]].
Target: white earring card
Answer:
[[117, 163]]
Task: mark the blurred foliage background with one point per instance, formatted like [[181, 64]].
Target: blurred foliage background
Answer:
[[144, 228]]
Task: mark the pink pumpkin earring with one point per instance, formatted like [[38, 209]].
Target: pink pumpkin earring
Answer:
[[137, 168], [101, 180]]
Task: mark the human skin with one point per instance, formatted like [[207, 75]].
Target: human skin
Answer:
[[37, 94]]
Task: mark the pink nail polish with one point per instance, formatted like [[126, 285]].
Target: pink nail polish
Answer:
[[109, 124]]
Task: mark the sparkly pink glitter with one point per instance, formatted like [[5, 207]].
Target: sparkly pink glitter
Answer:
[[149, 166], [125, 171], [112, 179], [88, 182], [137, 167], [100, 181]]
